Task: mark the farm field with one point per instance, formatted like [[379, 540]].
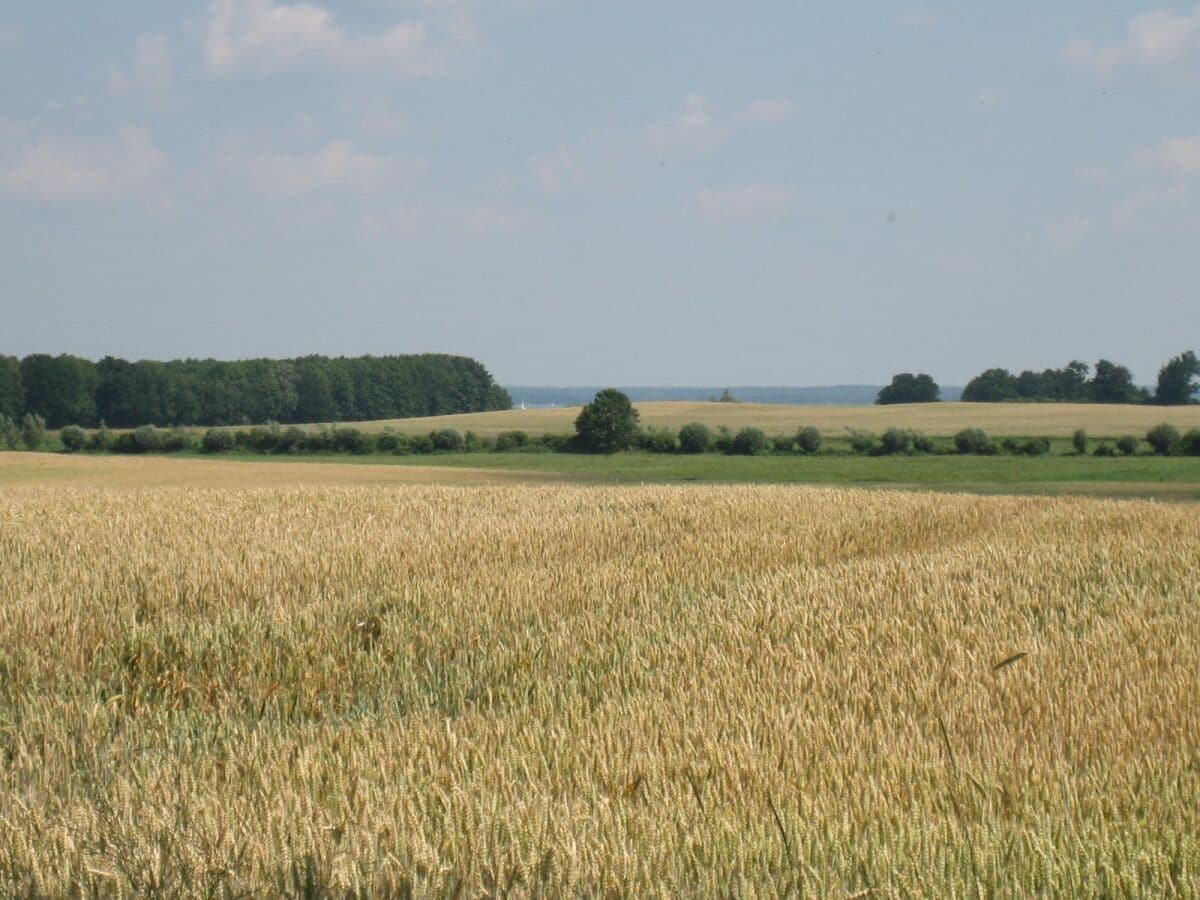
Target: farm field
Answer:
[[1166, 478], [1141, 476], [38, 470], [562, 690], [935, 419]]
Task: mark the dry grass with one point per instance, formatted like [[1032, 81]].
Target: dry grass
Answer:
[[1002, 419], [569, 690]]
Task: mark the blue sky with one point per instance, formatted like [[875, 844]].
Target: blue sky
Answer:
[[669, 193]]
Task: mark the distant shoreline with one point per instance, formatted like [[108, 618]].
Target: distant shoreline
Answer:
[[534, 396]]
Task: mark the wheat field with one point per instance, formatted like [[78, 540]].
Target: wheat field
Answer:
[[936, 419], [550, 690]]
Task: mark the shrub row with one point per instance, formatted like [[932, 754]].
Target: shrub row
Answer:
[[693, 438]]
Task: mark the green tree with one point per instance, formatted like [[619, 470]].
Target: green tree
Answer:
[[808, 439], [694, 437], [12, 395], [909, 388], [73, 438], [33, 431], [608, 424], [1163, 438], [992, 386], [1113, 383], [10, 432], [748, 442], [60, 389], [1178, 380]]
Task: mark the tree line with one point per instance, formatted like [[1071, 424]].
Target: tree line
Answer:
[[68, 390], [1076, 382]]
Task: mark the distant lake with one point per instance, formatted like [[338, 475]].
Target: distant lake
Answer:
[[832, 395]]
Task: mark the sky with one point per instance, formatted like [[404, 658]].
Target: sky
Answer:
[[670, 192]]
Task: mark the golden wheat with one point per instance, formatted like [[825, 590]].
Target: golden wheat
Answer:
[[568, 690]]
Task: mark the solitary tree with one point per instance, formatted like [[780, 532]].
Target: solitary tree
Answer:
[[909, 388], [608, 424], [1178, 380]]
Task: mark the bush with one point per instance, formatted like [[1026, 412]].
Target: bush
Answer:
[[1030, 447], [319, 441], [10, 434], [695, 437], [974, 441], [553, 443], [263, 438], [863, 442], [1189, 444], [1103, 449], [782, 443], [394, 443], [147, 439], [177, 441], [722, 440], [1163, 438], [349, 440], [101, 440], [73, 438], [656, 440], [473, 443], [1079, 440], [33, 431], [217, 440], [923, 443], [748, 442], [608, 424], [421, 445], [511, 440], [808, 439], [896, 441], [291, 440], [1127, 445], [447, 439], [1036, 446]]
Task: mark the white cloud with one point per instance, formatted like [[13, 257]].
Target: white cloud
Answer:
[[338, 167], [1156, 38], [1093, 174], [920, 17], [53, 168], [1065, 235], [603, 158], [988, 99], [696, 128], [1134, 209], [151, 70], [559, 171], [767, 111], [380, 122], [1180, 155], [745, 203], [265, 37], [481, 220]]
